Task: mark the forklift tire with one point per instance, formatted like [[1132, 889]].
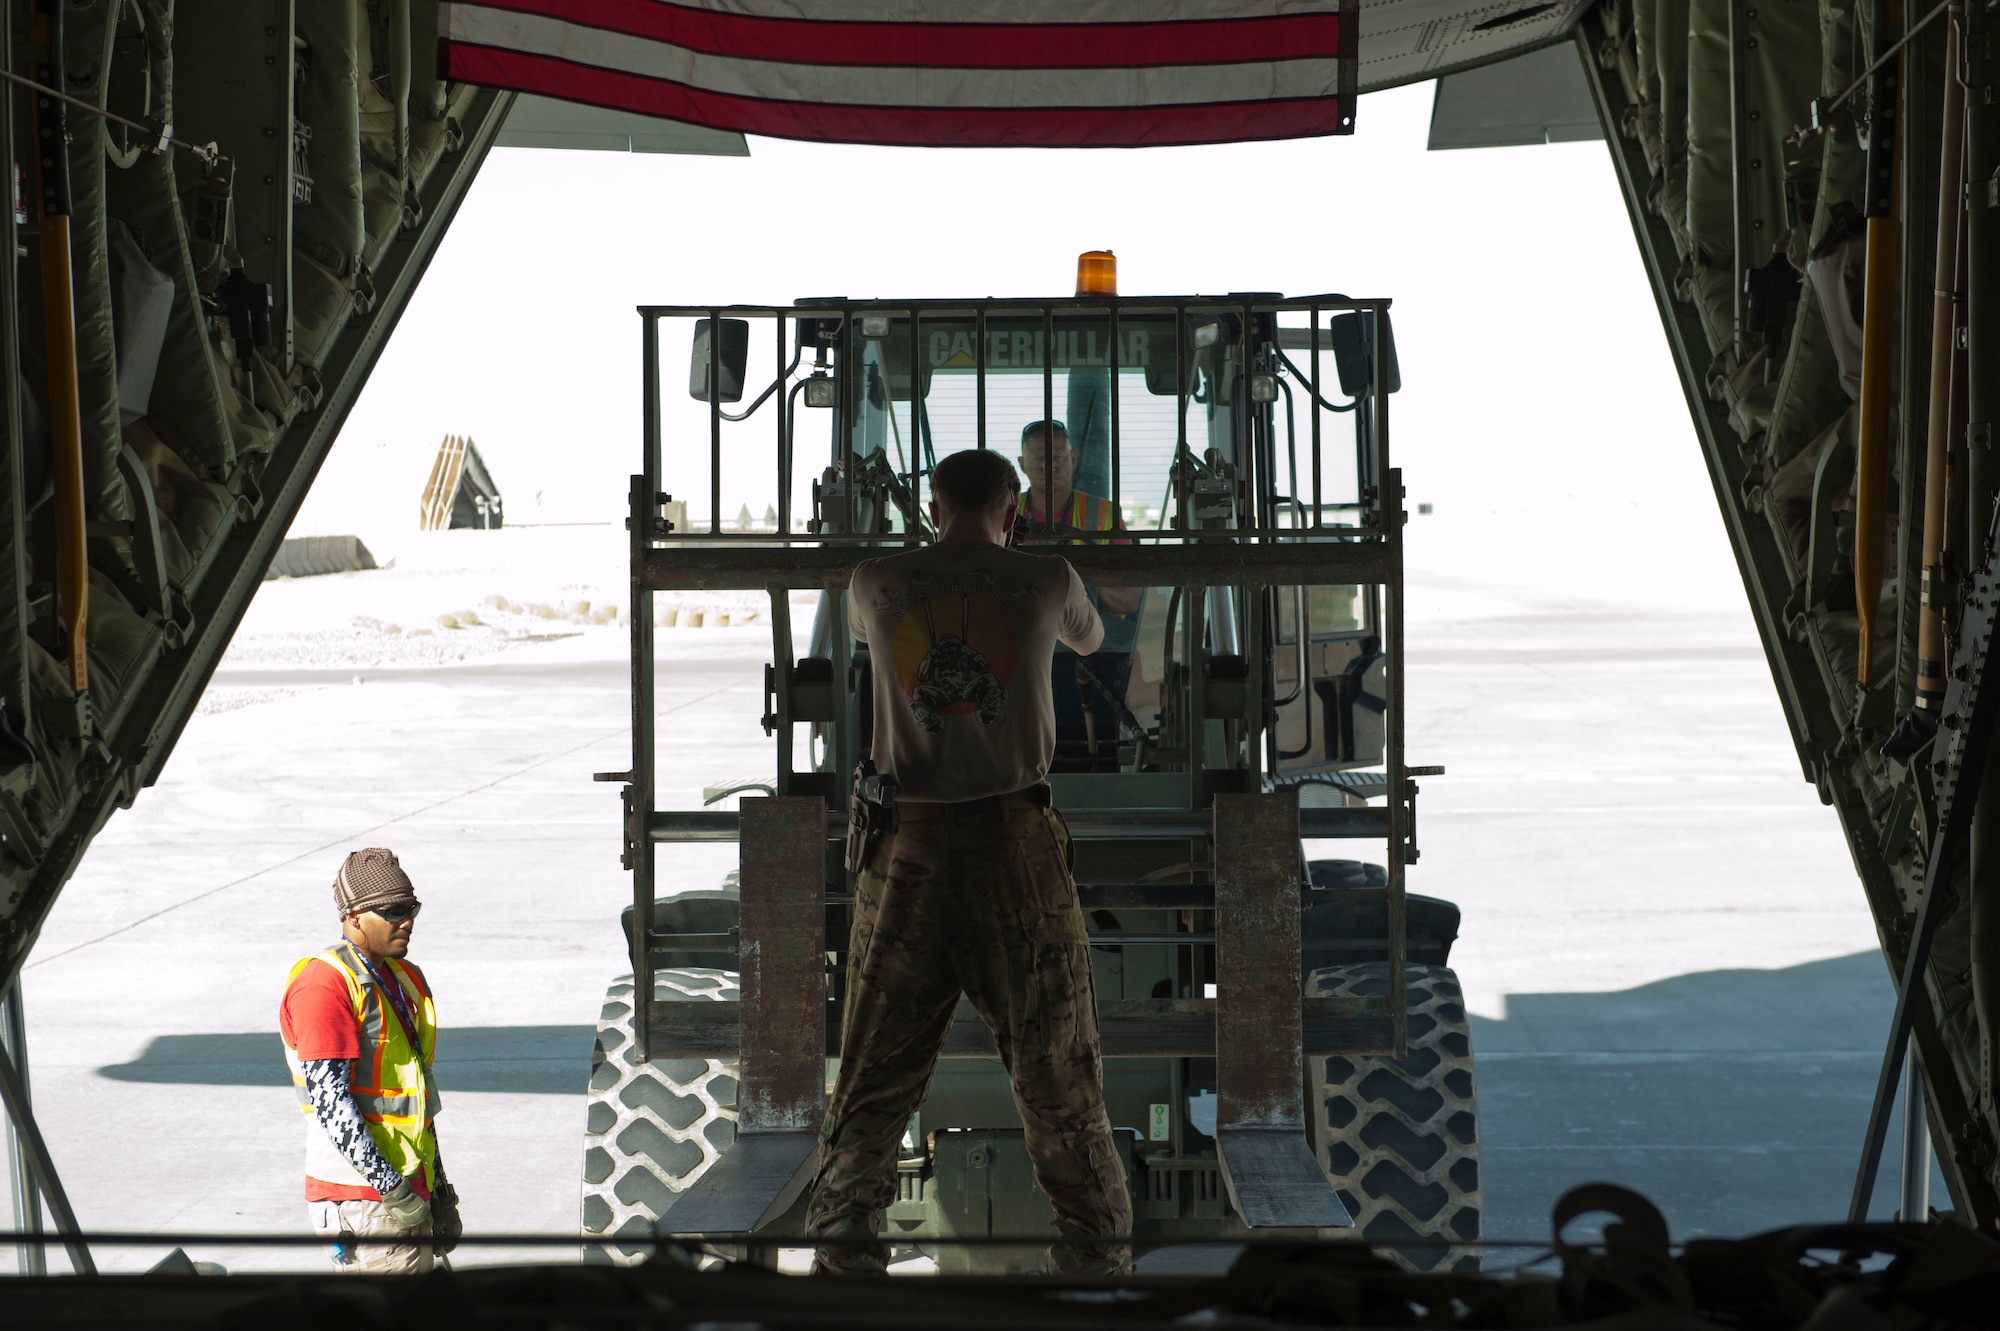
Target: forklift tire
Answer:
[[655, 1127], [1400, 1137]]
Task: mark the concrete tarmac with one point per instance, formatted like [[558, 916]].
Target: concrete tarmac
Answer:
[[1671, 968], [1674, 977]]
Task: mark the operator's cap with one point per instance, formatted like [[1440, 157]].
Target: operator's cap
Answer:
[[371, 878]]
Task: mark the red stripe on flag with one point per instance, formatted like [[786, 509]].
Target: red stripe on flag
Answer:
[[952, 45], [916, 127]]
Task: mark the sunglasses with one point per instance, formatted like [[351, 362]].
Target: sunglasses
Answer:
[[397, 914], [1035, 427]]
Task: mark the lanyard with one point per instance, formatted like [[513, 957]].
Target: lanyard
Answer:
[[398, 1001]]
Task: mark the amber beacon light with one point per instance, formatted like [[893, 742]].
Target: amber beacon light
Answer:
[[1097, 273]]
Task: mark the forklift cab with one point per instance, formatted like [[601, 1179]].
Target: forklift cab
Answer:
[[1146, 457]]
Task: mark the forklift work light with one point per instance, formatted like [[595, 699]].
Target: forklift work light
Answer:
[[1097, 273], [874, 325], [820, 390], [1207, 335], [1263, 388]]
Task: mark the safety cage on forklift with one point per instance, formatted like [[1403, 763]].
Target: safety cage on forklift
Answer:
[[1256, 650]]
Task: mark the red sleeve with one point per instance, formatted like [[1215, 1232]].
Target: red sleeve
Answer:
[[316, 1016]]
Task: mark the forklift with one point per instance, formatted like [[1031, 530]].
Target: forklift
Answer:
[[1286, 1049]]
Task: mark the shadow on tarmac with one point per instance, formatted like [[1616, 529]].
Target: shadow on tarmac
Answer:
[[1735, 1099], [532, 1060]]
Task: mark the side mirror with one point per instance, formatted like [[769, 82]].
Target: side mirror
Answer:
[[735, 358], [1351, 334]]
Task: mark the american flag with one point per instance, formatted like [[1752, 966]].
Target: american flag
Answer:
[[960, 73]]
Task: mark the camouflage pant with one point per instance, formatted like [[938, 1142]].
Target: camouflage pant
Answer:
[[976, 901]]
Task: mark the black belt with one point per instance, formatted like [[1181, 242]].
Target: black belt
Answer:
[[1036, 796]]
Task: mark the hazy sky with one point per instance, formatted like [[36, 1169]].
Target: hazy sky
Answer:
[[1540, 414]]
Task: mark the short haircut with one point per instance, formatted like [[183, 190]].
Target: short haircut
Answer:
[[1033, 428], [975, 480]]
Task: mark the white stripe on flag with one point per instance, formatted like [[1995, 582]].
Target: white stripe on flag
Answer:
[[896, 85], [1052, 12]]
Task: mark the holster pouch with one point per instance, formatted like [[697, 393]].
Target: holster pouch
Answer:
[[858, 839], [871, 814]]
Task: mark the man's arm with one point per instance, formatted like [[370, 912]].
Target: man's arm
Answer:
[[329, 1089], [1081, 630], [317, 1021], [1119, 600]]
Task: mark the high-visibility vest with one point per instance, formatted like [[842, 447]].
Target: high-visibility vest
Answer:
[[1083, 513], [392, 1079]]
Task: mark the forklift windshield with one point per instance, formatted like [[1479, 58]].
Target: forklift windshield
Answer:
[[1141, 455]]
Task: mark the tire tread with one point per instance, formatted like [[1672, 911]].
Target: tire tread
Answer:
[[652, 1128], [1399, 1138]]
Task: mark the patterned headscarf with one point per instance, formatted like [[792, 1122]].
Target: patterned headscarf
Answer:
[[368, 879]]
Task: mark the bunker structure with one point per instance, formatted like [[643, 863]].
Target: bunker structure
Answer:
[[459, 491]]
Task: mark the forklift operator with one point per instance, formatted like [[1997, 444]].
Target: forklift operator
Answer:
[[970, 890], [1069, 515]]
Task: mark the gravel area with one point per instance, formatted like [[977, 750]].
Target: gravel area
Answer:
[[447, 598]]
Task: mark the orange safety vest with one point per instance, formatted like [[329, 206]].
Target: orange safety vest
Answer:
[[392, 1077], [1083, 513]]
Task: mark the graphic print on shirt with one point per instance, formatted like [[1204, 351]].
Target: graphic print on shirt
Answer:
[[954, 652]]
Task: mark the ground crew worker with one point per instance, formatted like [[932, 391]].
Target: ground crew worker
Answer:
[[1053, 510], [1087, 694], [360, 1032], [972, 891]]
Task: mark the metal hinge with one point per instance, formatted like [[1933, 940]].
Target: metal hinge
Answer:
[[1941, 589]]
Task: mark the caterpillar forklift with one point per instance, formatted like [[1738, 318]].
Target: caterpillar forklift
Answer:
[[1286, 1048]]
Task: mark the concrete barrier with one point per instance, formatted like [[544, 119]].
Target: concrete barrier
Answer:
[[310, 556]]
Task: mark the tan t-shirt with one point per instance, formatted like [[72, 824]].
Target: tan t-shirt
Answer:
[[961, 638]]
